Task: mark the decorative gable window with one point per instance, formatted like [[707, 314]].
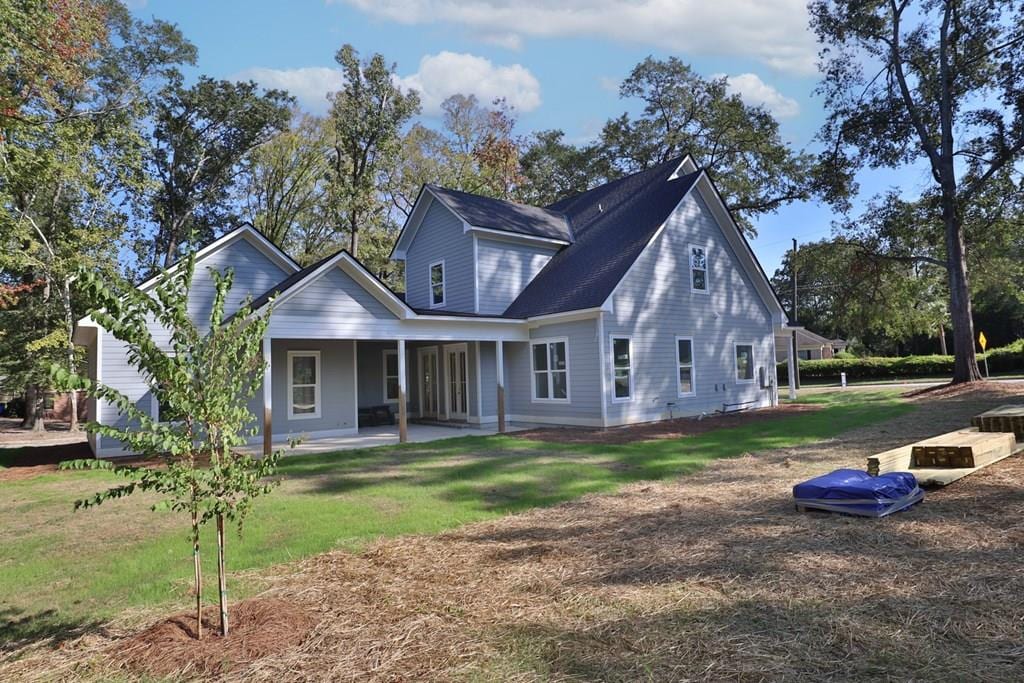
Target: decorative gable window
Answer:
[[391, 376], [550, 370], [744, 363], [684, 357], [698, 269], [303, 385], [622, 365], [437, 284]]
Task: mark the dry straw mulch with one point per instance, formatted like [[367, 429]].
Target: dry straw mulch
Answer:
[[710, 577]]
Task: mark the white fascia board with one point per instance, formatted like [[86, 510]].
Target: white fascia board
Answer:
[[515, 237], [685, 167], [567, 316]]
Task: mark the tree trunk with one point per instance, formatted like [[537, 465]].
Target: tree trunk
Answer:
[[33, 420], [199, 576], [222, 579], [942, 340], [353, 245], [965, 361]]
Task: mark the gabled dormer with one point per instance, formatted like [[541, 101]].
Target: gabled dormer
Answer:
[[469, 254]]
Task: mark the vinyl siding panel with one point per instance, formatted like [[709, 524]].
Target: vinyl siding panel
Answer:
[[337, 388], [584, 376], [504, 269], [441, 236], [654, 304]]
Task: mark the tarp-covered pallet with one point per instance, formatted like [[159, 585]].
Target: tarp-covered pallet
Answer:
[[854, 492]]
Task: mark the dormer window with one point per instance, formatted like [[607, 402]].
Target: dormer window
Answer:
[[698, 269], [437, 284]]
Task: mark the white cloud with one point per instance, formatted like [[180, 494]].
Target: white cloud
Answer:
[[449, 73], [609, 83], [774, 32], [309, 84], [752, 90], [509, 41]]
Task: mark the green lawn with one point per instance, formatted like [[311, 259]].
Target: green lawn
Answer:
[[60, 569]]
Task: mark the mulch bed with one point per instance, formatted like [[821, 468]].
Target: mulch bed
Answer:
[[666, 429], [257, 628]]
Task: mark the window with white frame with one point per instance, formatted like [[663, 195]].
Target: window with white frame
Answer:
[[550, 370], [698, 269], [437, 284], [162, 410], [303, 384], [744, 363], [622, 367], [391, 376], [684, 359]]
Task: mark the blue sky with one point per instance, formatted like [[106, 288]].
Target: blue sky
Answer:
[[559, 62]]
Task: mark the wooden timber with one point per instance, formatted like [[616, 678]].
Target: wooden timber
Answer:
[[901, 459], [1008, 418], [962, 448]]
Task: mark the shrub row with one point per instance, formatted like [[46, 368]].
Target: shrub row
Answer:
[[1005, 359]]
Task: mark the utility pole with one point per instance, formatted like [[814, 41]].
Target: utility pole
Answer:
[[796, 348]]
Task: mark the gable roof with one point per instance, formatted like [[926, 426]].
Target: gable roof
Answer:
[[506, 216], [613, 224]]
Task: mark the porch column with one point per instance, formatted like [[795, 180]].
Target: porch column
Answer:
[[499, 357], [403, 427], [268, 436], [791, 367]]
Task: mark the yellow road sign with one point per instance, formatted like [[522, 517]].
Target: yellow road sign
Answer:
[[982, 340]]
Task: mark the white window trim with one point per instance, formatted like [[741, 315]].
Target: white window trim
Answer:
[[384, 373], [316, 387], [444, 284], [707, 268], [736, 367], [533, 372], [154, 409], [612, 338], [693, 368]]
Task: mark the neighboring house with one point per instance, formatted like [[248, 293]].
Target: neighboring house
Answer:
[[810, 346], [635, 301]]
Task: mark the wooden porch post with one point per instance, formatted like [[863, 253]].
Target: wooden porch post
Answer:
[[500, 363], [791, 368], [403, 427], [268, 436]]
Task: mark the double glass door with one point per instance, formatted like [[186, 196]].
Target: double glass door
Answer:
[[456, 394]]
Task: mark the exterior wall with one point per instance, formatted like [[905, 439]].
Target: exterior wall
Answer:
[[504, 269], [441, 236], [584, 405], [337, 389], [254, 273], [488, 374], [654, 305]]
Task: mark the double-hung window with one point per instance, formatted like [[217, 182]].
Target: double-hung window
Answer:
[[622, 367], [303, 385], [550, 370], [684, 359], [698, 269], [744, 363], [391, 376], [437, 292]]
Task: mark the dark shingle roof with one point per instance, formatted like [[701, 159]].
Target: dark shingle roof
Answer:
[[498, 214], [612, 224]]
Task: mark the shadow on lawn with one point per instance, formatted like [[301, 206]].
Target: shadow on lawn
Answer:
[[19, 629]]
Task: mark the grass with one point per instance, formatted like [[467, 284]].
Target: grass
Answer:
[[61, 571]]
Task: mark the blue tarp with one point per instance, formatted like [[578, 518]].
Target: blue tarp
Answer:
[[858, 493]]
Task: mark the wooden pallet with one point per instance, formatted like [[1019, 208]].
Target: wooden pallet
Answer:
[[900, 460], [1008, 418]]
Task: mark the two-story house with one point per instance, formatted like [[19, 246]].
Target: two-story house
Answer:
[[636, 301]]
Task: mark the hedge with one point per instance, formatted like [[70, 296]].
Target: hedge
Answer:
[[1005, 359]]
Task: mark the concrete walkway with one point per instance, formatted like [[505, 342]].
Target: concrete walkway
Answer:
[[387, 435]]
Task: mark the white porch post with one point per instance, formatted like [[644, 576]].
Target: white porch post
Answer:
[[499, 347], [267, 400], [403, 427], [791, 368]]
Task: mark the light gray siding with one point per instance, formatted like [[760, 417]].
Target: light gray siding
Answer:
[[488, 382], [584, 405], [504, 269], [654, 304], [441, 236], [337, 388], [254, 273]]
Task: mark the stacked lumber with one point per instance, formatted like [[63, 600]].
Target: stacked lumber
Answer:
[[1008, 418], [962, 448]]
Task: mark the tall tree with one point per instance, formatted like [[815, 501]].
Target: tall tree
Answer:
[[553, 169], [201, 135], [76, 78], [738, 144], [938, 82], [366, 122]]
